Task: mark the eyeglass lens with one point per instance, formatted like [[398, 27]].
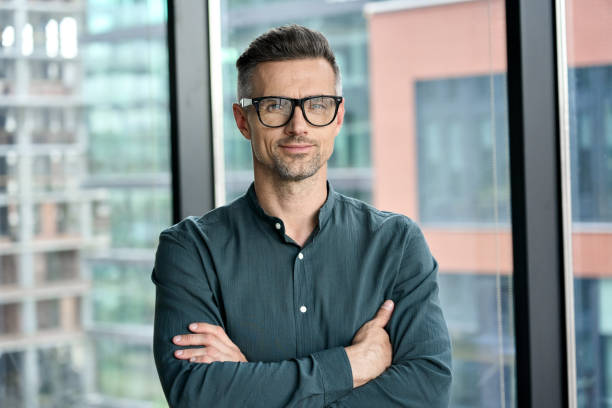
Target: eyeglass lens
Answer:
[[319, 111]]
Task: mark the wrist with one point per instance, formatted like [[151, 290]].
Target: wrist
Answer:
[[352, 352]]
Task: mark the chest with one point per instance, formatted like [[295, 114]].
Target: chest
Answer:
[[280, 301]]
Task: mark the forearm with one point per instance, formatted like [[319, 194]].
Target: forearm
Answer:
[[417, 383], [315, 380]]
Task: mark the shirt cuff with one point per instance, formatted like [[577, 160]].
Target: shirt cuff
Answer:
[[335, 369]]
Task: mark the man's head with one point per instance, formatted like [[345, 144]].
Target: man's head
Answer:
[[289, 105], [281, 44]]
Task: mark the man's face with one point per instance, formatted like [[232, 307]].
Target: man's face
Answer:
[[297, 150]]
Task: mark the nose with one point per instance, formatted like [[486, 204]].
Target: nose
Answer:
[[297, 125]]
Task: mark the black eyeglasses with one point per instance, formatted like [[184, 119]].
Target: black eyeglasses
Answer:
[[277, 111]]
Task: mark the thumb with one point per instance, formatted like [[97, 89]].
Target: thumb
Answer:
[[384, 313]]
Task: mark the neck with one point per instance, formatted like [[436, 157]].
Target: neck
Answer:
[[297, 203]]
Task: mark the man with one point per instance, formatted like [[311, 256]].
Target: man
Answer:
[[275, 299]]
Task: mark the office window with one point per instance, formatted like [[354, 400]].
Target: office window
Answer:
[[455, 150], [426, 135], [590, 124], [84, 192]]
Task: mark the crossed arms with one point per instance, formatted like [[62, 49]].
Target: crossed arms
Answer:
[[369, 355], [418, 374]]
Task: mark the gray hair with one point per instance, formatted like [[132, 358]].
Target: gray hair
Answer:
[[280, 44]]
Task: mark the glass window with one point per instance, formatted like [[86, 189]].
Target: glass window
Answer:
[[590, 124], [84, 192], [426, 135]]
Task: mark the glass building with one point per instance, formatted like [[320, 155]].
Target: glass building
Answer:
[[85, 190]]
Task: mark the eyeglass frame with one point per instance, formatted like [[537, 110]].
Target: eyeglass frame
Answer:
[[245, 102]]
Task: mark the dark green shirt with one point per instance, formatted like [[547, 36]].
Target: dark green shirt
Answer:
[[291, 310]]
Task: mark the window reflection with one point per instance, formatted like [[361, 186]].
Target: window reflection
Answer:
[[84, 192], [590, 124]]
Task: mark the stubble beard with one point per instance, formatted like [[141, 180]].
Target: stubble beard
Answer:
[[294, 169]]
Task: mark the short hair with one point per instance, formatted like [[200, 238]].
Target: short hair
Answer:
[[283, 43]]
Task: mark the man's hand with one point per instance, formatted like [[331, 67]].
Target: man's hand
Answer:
[[218, 346], [370, 352]]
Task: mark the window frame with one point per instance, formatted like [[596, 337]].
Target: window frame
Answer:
[[190, 109], [543, 294]]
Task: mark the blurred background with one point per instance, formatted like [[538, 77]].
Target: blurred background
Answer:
[[85, 178]]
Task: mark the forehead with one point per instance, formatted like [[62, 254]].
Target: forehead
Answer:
[[294, 78]]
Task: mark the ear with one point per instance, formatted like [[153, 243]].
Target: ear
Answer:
[[240, 116], [340, 117]]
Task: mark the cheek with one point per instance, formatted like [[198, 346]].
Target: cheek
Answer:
[[262, 143]]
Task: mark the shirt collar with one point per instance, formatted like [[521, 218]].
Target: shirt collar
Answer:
[[324, 212]]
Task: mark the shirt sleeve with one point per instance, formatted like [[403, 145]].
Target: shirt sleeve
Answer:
[[420, 372], [184, 295]]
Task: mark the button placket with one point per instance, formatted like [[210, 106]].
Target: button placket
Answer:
[[299, 267]]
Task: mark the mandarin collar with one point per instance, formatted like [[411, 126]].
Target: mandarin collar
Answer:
[[324, 212]]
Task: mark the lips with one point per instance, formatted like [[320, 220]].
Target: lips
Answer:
[[296, 148]]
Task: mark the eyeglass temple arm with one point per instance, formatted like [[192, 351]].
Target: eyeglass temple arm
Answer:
[[244, 102]]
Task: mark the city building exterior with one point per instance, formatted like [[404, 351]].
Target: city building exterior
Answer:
[[450, 144], [84, 193], [49, 220]]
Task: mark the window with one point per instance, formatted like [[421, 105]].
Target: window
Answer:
[[84, 192], [589, 103], [426, 135]]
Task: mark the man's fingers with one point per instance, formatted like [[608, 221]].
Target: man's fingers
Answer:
[[186, 354], [218, 331], [384, 313], [207, 355], [202, 327], [202, 359], [202, 340]]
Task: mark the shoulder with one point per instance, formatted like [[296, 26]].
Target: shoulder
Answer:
[[357, 211], [218, 220]]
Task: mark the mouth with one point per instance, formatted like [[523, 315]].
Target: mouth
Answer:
[[296, 148]]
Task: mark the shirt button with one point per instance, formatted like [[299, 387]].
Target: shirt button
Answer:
[[277, 226], [303, 309], [301, 255]]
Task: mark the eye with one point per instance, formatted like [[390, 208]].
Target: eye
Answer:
[[319, 104], [273, 105]]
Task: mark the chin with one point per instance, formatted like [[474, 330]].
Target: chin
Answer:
[[296, 175]]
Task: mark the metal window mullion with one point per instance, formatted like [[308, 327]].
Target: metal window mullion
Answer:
[[537, 215], [566, 194], [190, 109]]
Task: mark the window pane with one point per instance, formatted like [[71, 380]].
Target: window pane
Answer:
[[588, 26], [84, 192], [426, 135]]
